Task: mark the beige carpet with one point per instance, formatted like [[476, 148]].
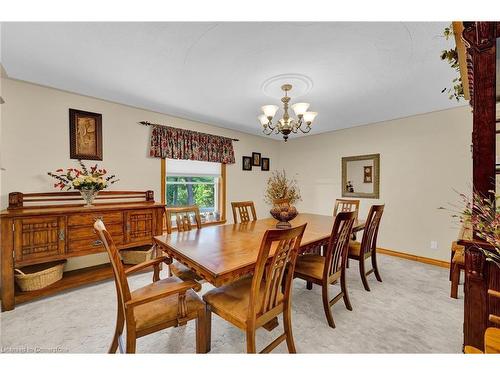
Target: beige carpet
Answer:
[[409, 312]]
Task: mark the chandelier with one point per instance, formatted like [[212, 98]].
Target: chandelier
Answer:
[[287, 124]]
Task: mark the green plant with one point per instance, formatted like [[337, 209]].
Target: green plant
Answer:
[[451, 56], [483, 215]]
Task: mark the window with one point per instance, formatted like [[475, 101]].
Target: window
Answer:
[[198, 183]]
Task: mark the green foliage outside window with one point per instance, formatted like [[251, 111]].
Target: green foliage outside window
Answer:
[[186, 191]]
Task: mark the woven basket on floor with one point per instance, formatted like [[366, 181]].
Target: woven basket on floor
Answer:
[[34, 278], [137, 254]]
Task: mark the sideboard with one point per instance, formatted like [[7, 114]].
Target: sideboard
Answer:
[[43, 227]]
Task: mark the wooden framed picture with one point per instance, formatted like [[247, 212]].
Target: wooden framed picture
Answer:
[[247, 163], [85, 135], [256, 159], [368, 174], [265, 164]]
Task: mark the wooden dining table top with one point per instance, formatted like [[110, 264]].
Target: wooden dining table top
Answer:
[[224, 253]]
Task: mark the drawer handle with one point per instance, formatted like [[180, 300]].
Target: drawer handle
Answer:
[[97, 243], [61, 235]]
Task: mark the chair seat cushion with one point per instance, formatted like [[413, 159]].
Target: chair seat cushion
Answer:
[[354, 248], [310, 265], [164, 309], [233, 299], [492, 340], [184, 273]]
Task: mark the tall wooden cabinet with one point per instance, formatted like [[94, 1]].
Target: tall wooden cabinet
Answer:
[[480, 75], [35, 234]]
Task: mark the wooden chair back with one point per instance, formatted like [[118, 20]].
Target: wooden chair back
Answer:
[[338, 246], [243, 211], [370, 233], [183, 218], [121, 283], [346, 205], [287, 244]]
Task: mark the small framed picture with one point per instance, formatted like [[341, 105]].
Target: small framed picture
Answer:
[[265, 164], [368, 173], [85, 135], [256, 159], [247, 163]]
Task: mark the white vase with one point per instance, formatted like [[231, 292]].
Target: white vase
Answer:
[[88, 196]]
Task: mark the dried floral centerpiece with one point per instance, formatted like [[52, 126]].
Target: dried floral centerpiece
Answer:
[[483, 215], [88, 181], [282, 193]]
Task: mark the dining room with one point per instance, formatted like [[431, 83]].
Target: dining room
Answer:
[[223, 200]]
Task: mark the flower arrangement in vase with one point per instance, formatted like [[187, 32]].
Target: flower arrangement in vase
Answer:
[[483, 215], [282, 193], [88, 181]]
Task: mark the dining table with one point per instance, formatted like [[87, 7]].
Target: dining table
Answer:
[[224, 253]]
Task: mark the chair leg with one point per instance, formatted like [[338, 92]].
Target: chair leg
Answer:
[[455, 279], [343, 288], [326, 306], [118, 331], [131, 340], [362, 272], [309, 285], [208, 328], [375, 266], [202, 344], [250, 339], [287, 323], [347, 263]]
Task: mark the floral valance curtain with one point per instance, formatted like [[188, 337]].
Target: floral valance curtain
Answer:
[[174, 143]]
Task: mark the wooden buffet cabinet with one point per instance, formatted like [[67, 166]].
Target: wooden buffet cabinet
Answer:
[[57, 230]]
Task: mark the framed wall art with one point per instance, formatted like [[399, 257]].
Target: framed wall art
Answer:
[[256, 156], [85, 135]]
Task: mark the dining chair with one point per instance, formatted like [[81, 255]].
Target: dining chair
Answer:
[[457, 264], [162, 304], [243, 211], [346, 205], [253, 301], [368, 246], [328, 269], [183, 216]]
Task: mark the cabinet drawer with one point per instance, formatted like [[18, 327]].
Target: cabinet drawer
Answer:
[[85, 232], [90, 218], [91, 245]]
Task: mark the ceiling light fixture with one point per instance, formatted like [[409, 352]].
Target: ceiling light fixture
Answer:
[[286, 124]]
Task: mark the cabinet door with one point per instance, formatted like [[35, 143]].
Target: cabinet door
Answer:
[[139, 226], [39, 237]]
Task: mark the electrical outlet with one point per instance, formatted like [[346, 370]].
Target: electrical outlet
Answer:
[[434, 245]]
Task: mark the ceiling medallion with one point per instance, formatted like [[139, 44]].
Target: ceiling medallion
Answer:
[[286, 124]]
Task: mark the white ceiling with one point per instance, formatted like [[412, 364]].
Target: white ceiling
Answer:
[[361, 72]]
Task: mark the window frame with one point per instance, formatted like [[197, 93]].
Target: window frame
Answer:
[[221, 193]]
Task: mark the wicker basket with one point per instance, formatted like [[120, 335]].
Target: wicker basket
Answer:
[[40, 276], [137, 255]]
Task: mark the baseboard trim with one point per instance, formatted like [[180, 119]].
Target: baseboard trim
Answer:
[[416, 258]]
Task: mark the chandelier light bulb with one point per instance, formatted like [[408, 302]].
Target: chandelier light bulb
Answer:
[[300, 108], [309, 117], [263, 119], [270, 110]]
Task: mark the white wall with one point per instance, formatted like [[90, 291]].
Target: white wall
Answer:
[[422, 159], [35, 140]]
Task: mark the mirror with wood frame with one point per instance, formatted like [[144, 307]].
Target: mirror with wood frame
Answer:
[[361, 176]]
